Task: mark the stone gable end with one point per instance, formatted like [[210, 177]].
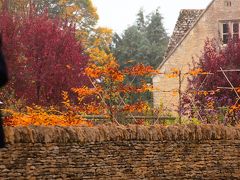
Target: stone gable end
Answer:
[[190, 47]]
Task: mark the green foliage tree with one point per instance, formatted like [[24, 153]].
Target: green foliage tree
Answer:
[[143, 42], [141, 20], [132, 47]]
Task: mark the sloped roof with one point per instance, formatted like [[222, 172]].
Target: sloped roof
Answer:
[[186, 20]]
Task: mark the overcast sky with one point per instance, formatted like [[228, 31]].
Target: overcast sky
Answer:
[[119, 14]]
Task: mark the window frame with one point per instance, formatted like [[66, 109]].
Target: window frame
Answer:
[[228, 3], [237, 32], [230, 32]]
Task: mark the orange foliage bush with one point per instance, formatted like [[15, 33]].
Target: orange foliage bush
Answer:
[[39, 116], [109, 90]]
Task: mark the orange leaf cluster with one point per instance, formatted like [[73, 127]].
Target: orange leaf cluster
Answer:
[[93, 108], [38, 116], [93, 71], [210, 105], [110, 70], [137, 107], [195, 72], [174, 73], [234, 108], [205, 93], [140, 70], [86, 91], [238, 89], [134, 89]]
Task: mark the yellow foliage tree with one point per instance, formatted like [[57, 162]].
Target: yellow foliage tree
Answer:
[[81, 13]]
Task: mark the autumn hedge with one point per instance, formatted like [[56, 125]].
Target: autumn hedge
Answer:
[[57, 134]]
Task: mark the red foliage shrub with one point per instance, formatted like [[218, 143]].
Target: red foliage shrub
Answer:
[[216, 100], [43, 56]]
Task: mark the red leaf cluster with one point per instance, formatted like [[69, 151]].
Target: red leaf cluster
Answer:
[[215, 94], [44, 57]]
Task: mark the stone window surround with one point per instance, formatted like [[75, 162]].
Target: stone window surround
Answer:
[[228, 3], [230, 24]]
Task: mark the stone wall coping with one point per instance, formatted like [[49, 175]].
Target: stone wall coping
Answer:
[[57, 134]]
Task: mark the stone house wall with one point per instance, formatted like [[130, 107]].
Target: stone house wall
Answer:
[[191, 47]]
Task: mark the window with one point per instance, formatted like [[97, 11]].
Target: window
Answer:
[[235, 31], [230, 29], [228, 3], [225, 33]]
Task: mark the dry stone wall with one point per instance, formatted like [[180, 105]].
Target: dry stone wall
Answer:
[[121, 152]]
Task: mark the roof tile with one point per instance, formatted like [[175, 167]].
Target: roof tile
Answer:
[[186, 19]]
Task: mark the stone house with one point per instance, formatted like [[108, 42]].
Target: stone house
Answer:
[[193, 27]]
